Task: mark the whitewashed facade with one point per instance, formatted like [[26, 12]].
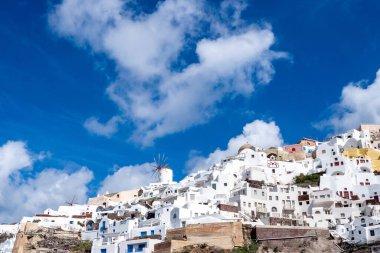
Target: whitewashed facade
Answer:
[[253, 186]]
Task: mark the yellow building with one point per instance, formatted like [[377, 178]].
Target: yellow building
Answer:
[[369, 153]]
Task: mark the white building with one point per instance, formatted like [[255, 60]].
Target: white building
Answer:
[[252, 186]]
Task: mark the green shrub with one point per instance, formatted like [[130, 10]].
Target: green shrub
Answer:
[[203, 246], [83, 246], [251, 248], [307, 179]]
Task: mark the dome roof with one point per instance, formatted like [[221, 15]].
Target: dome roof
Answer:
[[246, 146]]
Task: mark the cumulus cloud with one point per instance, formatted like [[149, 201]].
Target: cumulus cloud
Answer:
[[358, 104], [144, 44], [158, 89], [128, 177], [13, 157], [108, 129], [20, 196], [258, 133]]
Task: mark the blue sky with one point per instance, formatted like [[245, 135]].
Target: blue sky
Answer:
[[55, 77]]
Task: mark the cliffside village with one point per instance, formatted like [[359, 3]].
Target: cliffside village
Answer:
[[331, 185]]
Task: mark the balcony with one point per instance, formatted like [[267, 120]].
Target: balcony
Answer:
[[286, 216], [261, 209], [289, 208]]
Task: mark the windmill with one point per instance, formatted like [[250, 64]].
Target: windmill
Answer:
[[161, 169], [72, 202], [158, 165]]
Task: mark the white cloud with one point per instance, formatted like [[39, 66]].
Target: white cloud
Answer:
[[357, 105], [13, 157], [128, 177], [26, 196], [143, 44], [85, 22], [108, 129], [231, 10], [258, 133], [158, 89]]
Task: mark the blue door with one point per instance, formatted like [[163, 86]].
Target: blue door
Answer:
[[130, 249], [103, 251], [103, 227], [144, 233], [140, 247]]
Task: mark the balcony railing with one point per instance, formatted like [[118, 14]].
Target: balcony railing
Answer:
[[286, 216], [289, 207], [261, 209]]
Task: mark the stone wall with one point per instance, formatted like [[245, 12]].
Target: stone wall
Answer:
[[171, 246], [225, 235], [283, 232], [294, 239]]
